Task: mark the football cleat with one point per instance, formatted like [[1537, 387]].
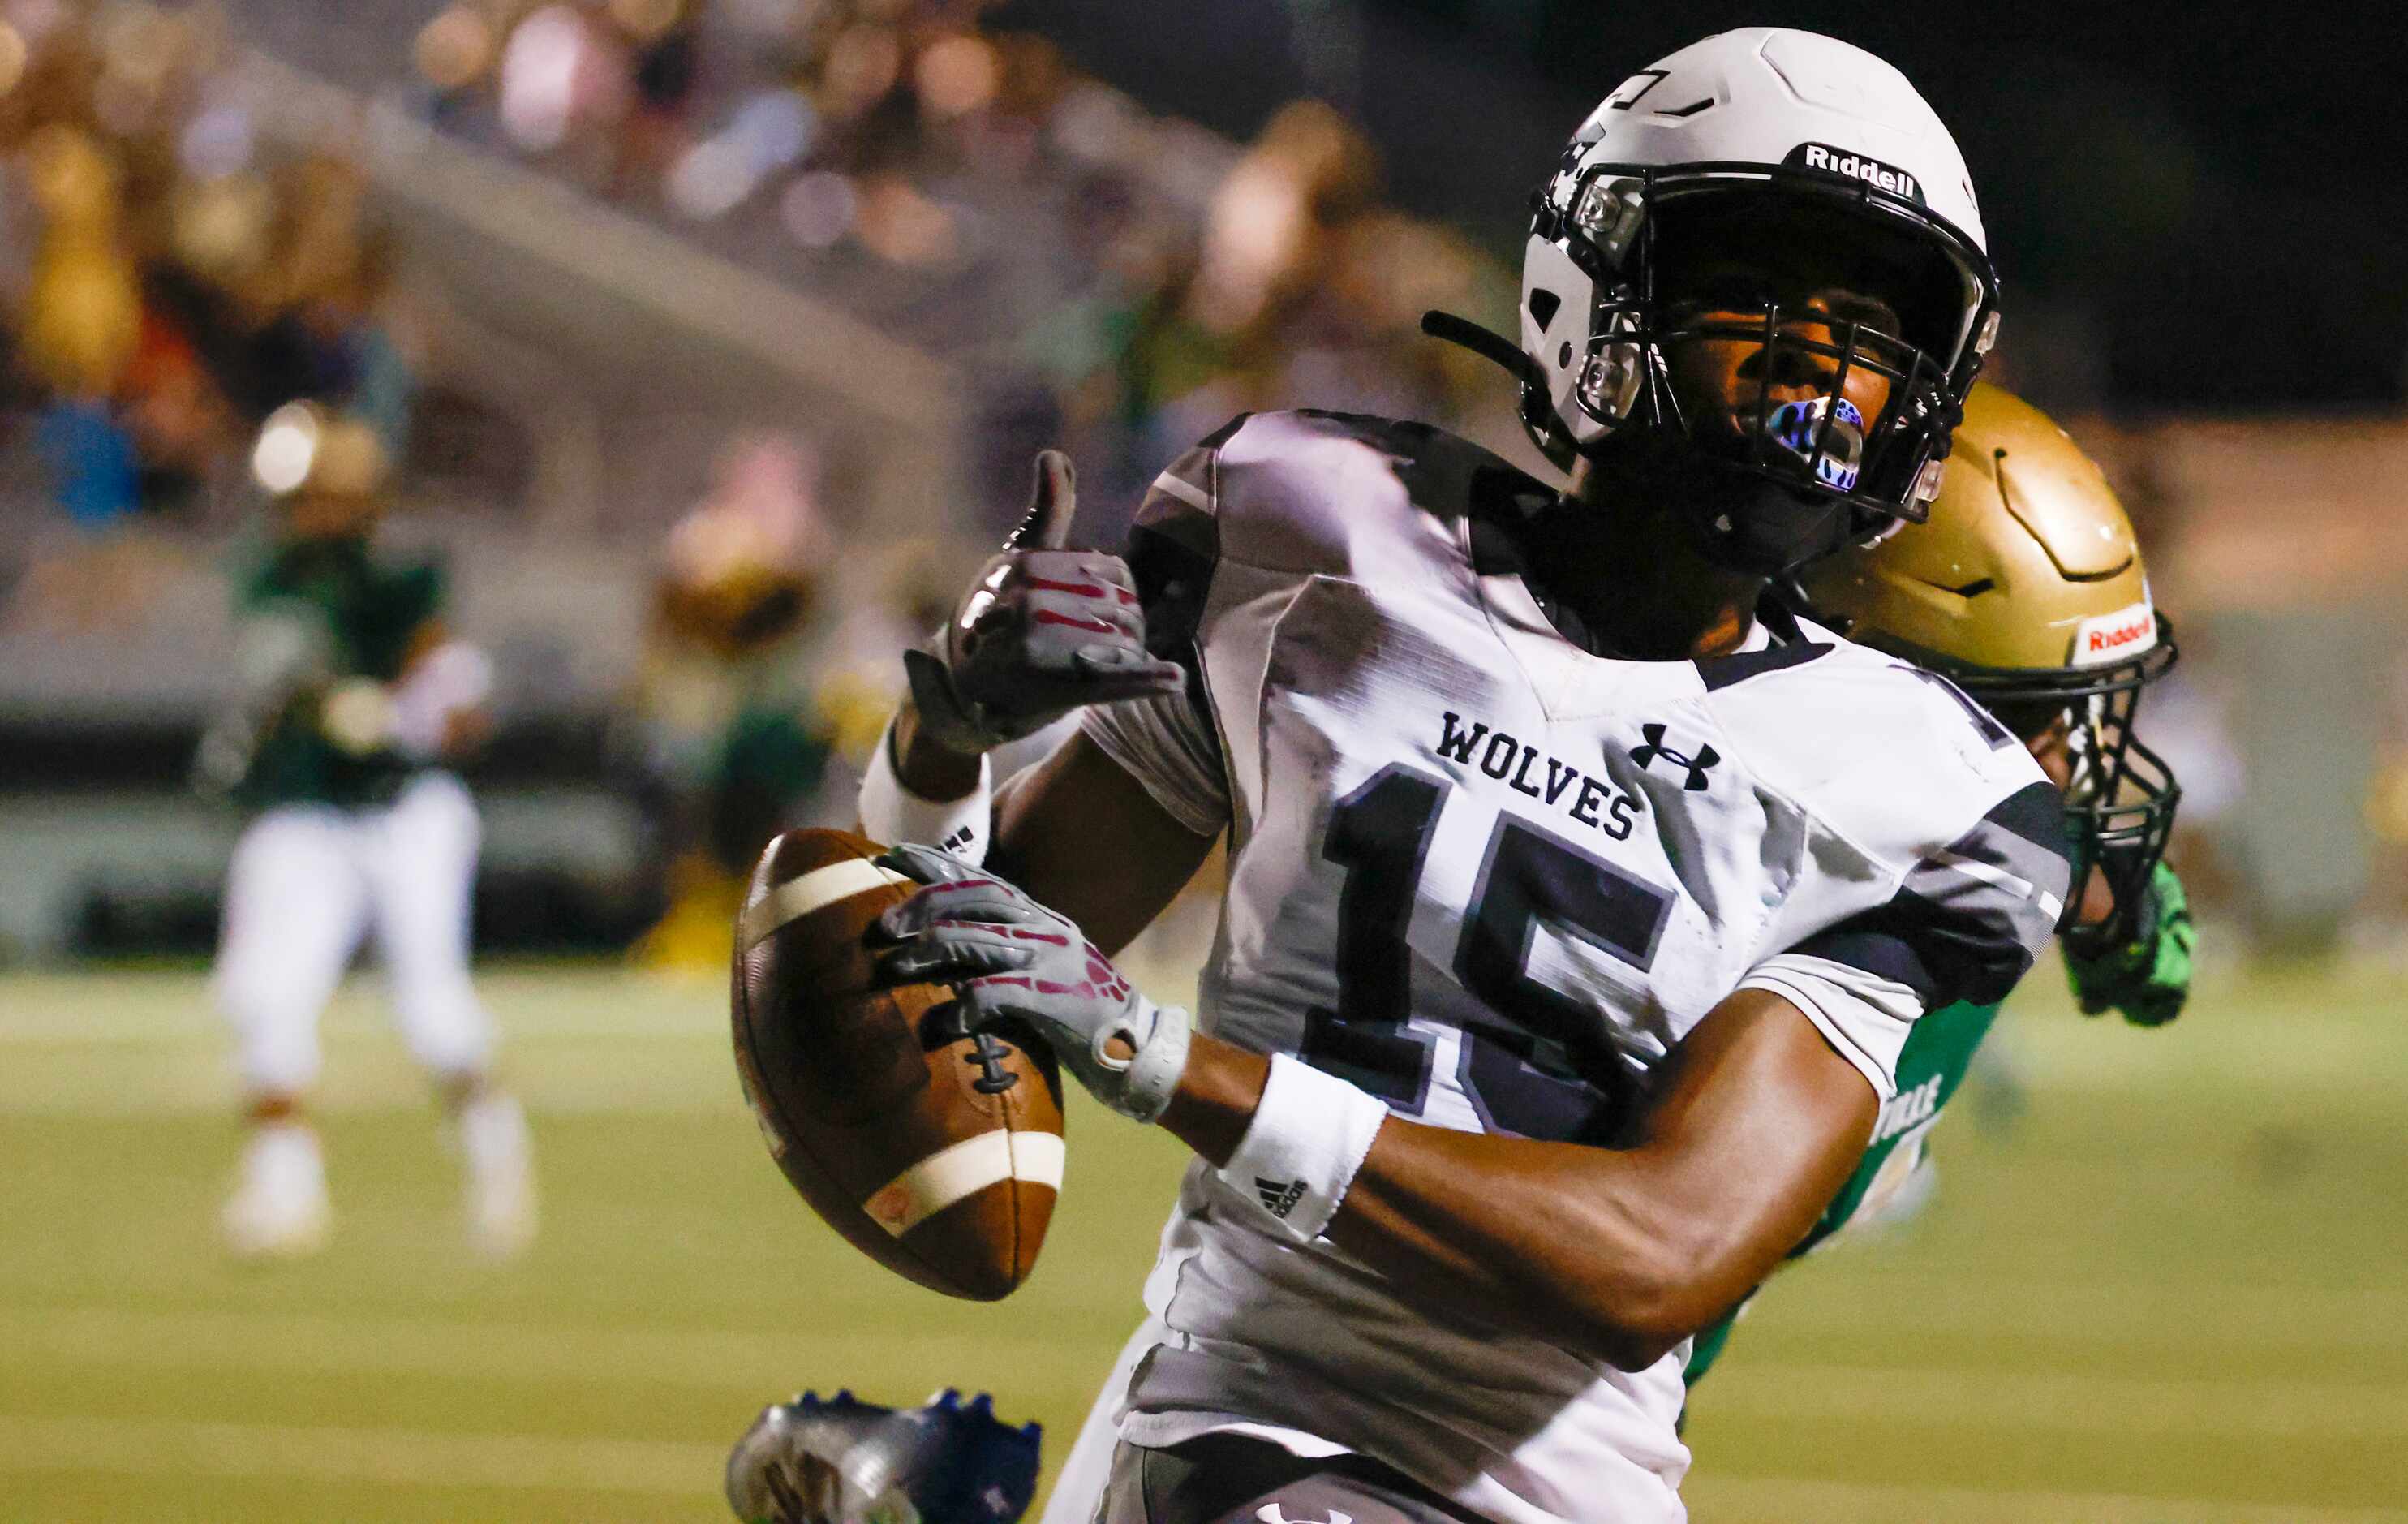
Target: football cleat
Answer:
[[278, 1210], [840, 1460], [501, 1195]]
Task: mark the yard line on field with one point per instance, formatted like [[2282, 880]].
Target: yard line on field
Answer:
[[390, 1457], [624, 1093], [2247, 1318], [2246, 1405], [540, 1102], [51, 1029], [288, 1343], [2166, 1314], [584, 1079], [1801, 1501]]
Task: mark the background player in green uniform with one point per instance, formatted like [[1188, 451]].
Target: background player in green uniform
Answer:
[[2027, 590], [349, 695]]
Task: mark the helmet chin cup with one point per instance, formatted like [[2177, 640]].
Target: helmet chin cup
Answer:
[[1773, 537], [1736, 517]]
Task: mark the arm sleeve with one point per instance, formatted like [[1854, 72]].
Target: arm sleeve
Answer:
[[1864, 1016], [1169, 744], [1965, 924]]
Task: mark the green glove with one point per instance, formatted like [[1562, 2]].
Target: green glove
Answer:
[[2149, 977]]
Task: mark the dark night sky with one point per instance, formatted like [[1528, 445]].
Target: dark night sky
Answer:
[[2223, 188]]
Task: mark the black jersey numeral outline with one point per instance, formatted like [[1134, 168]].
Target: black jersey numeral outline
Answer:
[[1380, 834], [1545, 1068]]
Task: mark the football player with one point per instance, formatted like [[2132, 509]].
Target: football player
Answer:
[[2026, 589], [351, 694], [1581, 895]]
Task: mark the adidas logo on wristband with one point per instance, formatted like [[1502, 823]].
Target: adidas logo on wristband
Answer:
[[1279, 1196], [1311, 1132]]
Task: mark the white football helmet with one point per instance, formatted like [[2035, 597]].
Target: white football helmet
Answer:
[[1794, 124]]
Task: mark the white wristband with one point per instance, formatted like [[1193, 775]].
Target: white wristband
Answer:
[[1303, 1146], [891, 812]]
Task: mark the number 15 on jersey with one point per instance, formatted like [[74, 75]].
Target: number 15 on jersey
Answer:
[[1538, 1062]]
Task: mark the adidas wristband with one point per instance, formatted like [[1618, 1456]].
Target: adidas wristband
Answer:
[[1301, 1152], [892, 813]]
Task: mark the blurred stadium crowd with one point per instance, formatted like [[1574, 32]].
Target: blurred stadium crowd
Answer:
[[708, 658], [172, 288], [178, 278], [1117, 283], [1112, 281]]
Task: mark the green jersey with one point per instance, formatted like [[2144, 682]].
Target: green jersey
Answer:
[[356, 614], [1938, 1051]]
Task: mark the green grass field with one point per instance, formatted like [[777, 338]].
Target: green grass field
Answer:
[[2167, 1288]]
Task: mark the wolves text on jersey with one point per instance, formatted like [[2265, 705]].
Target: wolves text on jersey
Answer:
[[1512, 761]]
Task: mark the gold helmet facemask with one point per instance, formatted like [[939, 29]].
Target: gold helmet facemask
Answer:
[[2026, 588]]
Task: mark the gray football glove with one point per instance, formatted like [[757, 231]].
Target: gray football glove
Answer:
[[1006, 955], [1044, 630]]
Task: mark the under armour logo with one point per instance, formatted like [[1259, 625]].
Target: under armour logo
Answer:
[[1279, 1196], [1645, 757], [1270, 1514]]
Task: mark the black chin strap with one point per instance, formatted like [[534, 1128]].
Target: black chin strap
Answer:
[[1495, 346], [1546, 431]]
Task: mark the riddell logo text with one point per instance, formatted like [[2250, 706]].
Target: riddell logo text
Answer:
[[1831, 161], [2113, 637], [2099, 643]]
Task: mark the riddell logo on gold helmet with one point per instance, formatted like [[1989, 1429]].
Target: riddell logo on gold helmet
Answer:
[[1823, 158], [2106, 637]]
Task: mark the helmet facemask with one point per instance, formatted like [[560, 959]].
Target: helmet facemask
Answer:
[[1809, 465], [2119, 795]]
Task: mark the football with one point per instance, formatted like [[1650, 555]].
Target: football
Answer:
[[935, 1153]]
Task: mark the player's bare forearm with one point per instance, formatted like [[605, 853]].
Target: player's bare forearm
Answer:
[[1617, 1253], [1080, 834], [1216, 1097], [1075, 831]]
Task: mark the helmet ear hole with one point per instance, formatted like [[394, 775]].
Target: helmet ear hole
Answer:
[[1543, 307]]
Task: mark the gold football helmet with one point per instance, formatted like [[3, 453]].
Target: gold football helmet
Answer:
[[2026, 589]]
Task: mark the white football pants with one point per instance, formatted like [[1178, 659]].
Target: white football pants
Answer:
[[306, 881], [1087, 1471]]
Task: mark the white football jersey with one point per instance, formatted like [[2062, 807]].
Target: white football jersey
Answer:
[[1493, 879]]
